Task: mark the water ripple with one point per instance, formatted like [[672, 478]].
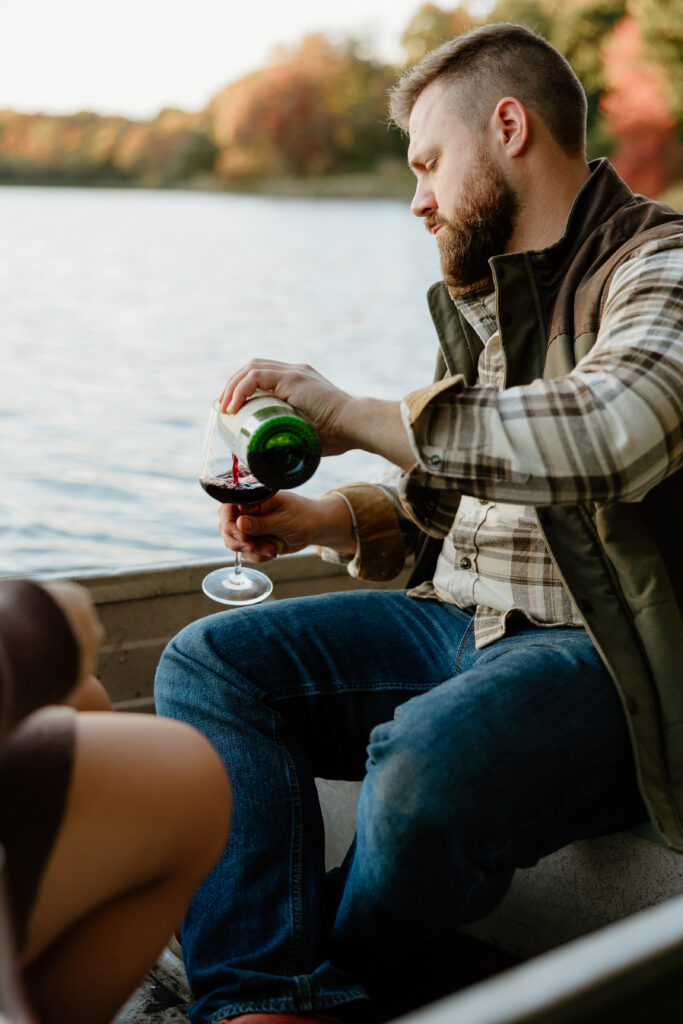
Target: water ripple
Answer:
[[123, 315]]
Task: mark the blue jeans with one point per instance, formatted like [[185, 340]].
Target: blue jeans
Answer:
[[474, 763]]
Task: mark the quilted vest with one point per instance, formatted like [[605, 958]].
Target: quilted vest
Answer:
[[622, 562]]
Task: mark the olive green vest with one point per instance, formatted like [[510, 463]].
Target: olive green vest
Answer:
[[621, 561]]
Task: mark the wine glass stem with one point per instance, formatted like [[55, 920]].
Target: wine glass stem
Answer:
[[236, 575]]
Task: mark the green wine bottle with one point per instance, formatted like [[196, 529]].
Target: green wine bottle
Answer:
[[273, 439]]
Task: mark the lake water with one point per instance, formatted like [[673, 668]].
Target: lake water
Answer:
[[122, 313]]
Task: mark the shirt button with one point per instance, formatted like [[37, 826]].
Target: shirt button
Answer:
[[465, 563]]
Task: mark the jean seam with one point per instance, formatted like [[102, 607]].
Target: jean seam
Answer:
[[305, 994], [295, 854], [276, 695], [462, 647], [326, 1001]]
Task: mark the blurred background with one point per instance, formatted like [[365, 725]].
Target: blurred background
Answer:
[[221, 95], [186, 185]]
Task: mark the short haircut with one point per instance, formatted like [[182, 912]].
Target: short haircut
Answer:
[[494, 61]]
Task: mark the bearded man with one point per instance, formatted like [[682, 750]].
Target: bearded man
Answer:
[[524, 691]]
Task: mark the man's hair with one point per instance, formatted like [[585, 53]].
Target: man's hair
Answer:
[[494, 61]]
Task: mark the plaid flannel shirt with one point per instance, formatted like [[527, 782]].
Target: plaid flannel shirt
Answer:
[[608, 431]]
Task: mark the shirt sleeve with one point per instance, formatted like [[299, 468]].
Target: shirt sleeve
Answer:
[[38, 652], [609, 430], [385, 534]]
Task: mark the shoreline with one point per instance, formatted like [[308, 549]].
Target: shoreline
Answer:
[[393, 182], [396, 184]]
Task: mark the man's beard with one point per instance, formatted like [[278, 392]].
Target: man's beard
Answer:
[[481, 226]]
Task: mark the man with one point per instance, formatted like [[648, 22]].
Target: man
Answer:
[[540, 488]]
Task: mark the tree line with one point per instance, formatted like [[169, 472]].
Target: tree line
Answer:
[[319, 108]]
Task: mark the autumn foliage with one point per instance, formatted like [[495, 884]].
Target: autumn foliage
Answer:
[[86, 148], [313, 110], [320, 108], [638, 113]]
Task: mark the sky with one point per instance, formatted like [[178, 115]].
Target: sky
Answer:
[[135, 57]]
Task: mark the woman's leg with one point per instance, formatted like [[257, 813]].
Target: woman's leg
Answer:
[[146, 818], [89, 696]]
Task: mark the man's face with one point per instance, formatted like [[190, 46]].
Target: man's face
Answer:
[[464, 197]]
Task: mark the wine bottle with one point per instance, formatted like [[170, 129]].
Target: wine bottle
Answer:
[[273, 439]]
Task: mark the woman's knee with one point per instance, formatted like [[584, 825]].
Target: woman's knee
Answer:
[[204, 816], [156, 776], [148, 800]]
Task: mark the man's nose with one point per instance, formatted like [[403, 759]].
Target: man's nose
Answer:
[[424, 201]]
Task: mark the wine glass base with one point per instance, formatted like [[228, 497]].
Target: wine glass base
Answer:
[[247, 587]]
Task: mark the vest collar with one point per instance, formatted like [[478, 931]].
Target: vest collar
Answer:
[[596, 202]]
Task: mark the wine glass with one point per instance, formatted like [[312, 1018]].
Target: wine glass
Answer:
[[224, 479]]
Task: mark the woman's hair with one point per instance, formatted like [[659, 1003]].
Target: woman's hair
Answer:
[[494, 61]]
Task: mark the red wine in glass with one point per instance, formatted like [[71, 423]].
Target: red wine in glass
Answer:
[[236, 486]]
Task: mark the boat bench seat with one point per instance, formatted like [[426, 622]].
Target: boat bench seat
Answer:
[[570, 893]]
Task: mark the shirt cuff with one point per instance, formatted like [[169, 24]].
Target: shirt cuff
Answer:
[[427, 497], [417, 401], [381, 551]]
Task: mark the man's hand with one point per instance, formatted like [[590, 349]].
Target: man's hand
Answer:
[[320, 401], [286, 523], [341, 422]]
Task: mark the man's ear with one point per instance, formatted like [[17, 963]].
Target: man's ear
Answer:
[[510, 123]]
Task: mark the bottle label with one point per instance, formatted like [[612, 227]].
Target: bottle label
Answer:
[[237, 429]]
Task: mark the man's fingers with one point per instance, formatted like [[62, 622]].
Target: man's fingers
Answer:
[[266, 375], [255, 526], [257, 379], [278, 544], [241, 538], [258, 373]]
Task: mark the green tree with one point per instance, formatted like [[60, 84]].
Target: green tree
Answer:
[[531, 13], [578, 31], [429, 27]]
